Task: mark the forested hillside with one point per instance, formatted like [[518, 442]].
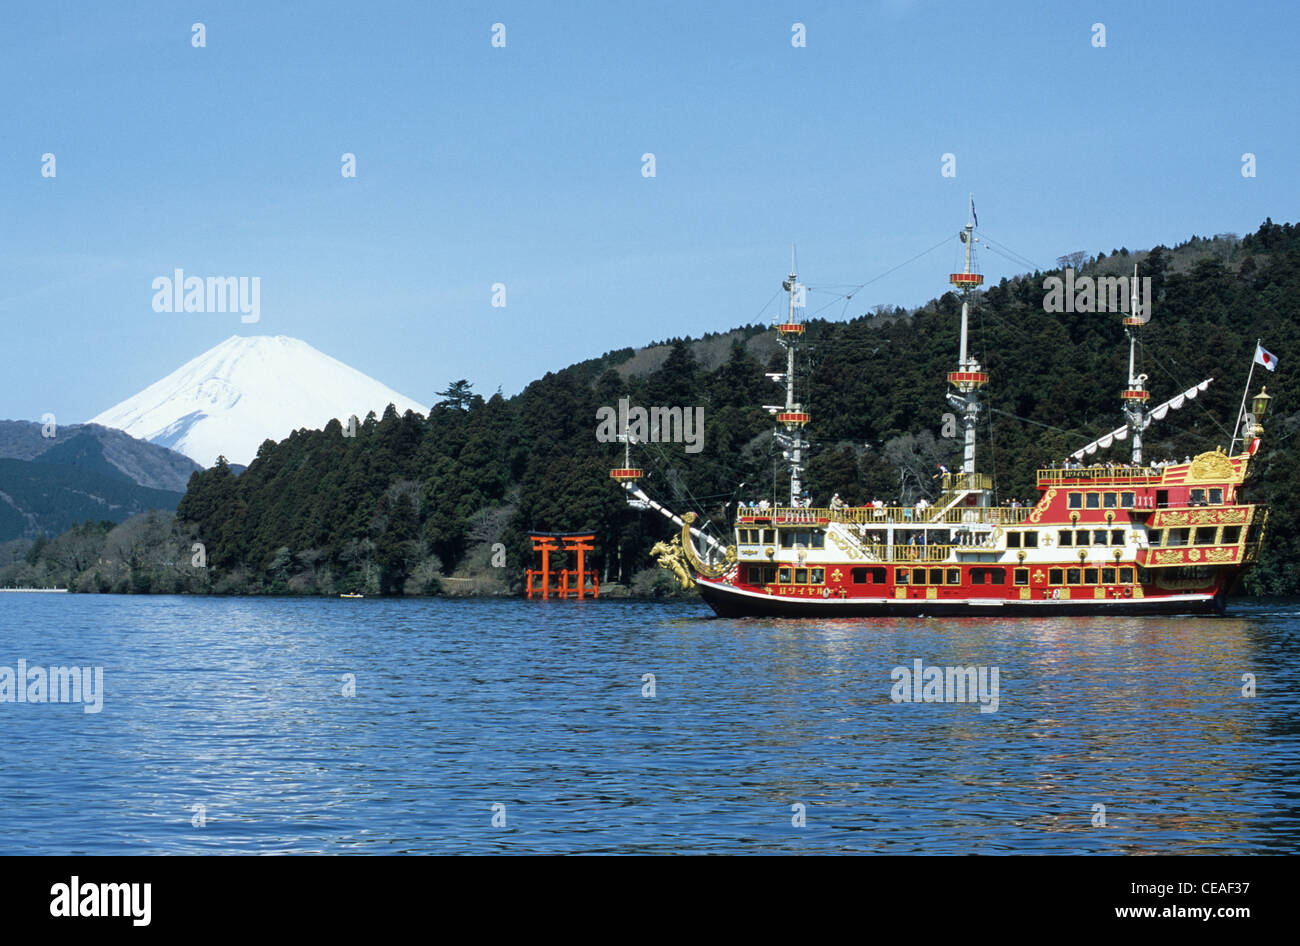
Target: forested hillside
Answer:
[[409, 499]]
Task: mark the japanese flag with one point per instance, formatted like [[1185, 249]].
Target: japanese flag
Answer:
[[1265, 358]]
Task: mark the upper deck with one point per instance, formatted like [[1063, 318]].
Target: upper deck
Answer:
[[1068, 495], [1215, 467]]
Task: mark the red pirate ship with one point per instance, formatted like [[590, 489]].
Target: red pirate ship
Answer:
[[1112, 538]]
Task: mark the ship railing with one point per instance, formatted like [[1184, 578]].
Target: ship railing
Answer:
[[907, 554], [966, 482], [892, 515], [921, 554], [1092, 474]]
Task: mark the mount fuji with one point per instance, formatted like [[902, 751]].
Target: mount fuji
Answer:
[[246, 390]]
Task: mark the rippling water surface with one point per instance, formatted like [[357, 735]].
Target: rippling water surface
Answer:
[[237, 705]]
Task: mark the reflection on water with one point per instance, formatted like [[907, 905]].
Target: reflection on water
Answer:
[[238, 706]]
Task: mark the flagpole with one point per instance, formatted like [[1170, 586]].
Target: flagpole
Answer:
[[1242, 410]]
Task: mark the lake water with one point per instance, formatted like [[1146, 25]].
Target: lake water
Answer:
[[238, 706]]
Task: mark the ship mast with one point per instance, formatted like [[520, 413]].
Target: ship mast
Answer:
[[1134, 397], [792, 416], [968, 378]]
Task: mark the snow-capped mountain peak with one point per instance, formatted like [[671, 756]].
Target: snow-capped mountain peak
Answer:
[[245, 390]]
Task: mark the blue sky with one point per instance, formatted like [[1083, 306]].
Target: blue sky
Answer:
[[522, 165]]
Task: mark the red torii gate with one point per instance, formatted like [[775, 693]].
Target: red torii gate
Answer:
[[543, 582]]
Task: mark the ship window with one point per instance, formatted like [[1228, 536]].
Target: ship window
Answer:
[[1205, 535], [1252, 534], [860, 576], [1099, 536], [818, 576], [1108, 500], [787, 539], [801, 576], [1081, 537], [1126, 576], [954, 576], [900, 576], [1108, 576], [1072, 576], [819, 539], [1216, 496], [936, 576], [1128, 500], [1116, 536], [1031, 540], [1076, 500], [977, 576], [1094, 501], [785, 576], [1162, 498], [1143, 577], [1177, 537], [769, 536], [1013, 540], [918, 576], [1156, 538], [1055, 576], [1022, 576], [1066, 538], [1197, 497], [769, 574], [1231, 535], [1090, 576], [998, 576]]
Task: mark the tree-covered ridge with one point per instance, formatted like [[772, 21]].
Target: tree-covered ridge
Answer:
[[408, 500]]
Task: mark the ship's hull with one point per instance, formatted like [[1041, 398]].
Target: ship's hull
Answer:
[[732, 602]]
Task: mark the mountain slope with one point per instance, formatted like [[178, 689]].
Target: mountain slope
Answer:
[[48, 497], [248, 389], [141, 462]]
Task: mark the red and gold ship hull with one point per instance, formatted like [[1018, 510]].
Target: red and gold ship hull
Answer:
[[1113, 540]]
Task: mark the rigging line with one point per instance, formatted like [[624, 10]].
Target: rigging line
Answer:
[[1018, 262], [690, 497], [1036, 423], [859, 288], [1003, 250], [765, 305], [1023, 259], [1182, 387], [984, 348]]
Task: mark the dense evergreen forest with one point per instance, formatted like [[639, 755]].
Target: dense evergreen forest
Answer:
[[416, 505]]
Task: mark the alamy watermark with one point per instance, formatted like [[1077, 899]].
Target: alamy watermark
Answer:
[[1102, 294], [655, 425], [56, 685], [921, 684], [76, 898], [181, 293]]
